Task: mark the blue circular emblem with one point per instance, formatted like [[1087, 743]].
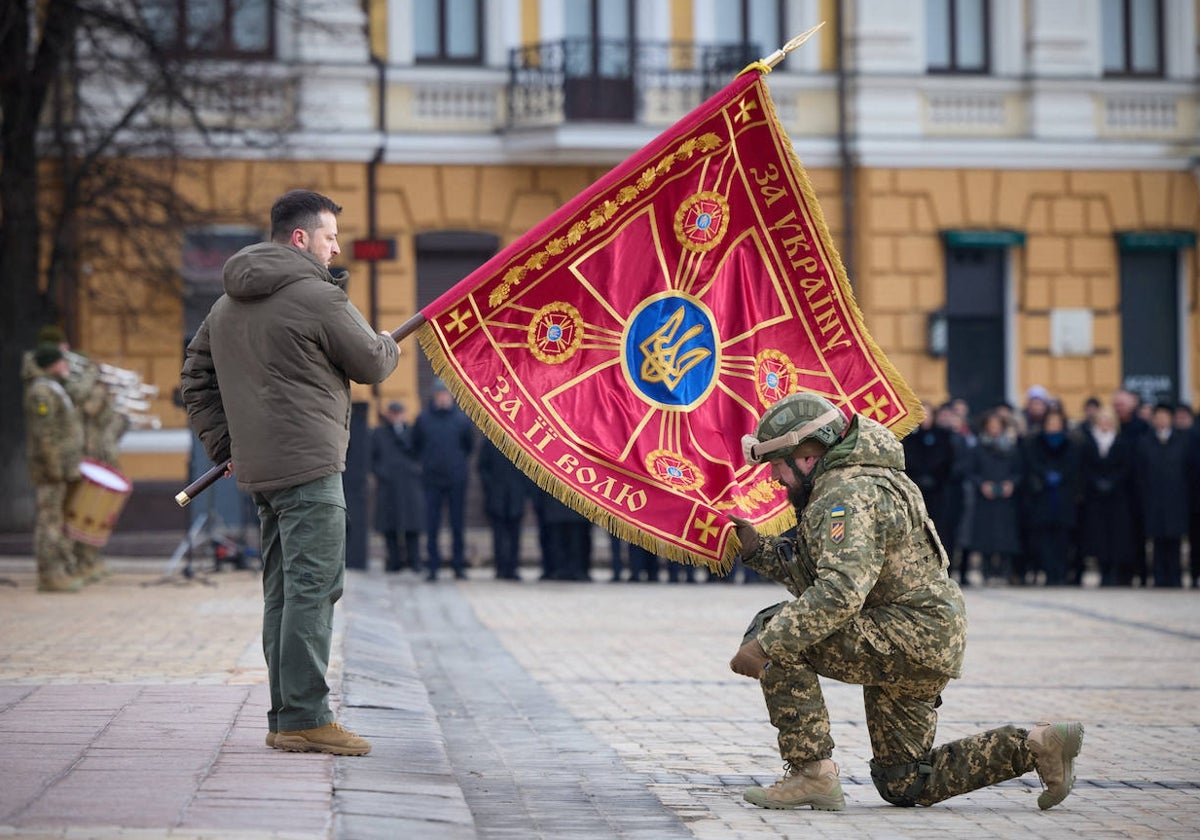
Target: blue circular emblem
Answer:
[[703, 221], [671, 350], [554, 333]]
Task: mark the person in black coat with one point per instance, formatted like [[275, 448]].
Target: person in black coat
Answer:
[[547, 535], [1185, 424], [929, 460], [399, 505], [505, 491], [644, 564], [1161, 474], [443, 438], [1132, 428], [1106, 509], [994, 473], [568, 540], [1051, 496]]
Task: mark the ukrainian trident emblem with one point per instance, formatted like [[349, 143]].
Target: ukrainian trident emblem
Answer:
[[670, 350]]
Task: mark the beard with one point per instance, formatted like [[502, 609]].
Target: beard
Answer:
[[799, 494]]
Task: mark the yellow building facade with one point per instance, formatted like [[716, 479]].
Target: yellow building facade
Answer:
[[914, 170], [1069, 259]]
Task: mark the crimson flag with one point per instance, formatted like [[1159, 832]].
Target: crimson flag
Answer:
[[619, 350]]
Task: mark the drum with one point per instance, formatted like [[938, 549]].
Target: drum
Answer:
[[95, 502]]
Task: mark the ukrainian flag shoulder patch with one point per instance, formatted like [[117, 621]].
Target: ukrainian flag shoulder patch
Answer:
[[837, 524]]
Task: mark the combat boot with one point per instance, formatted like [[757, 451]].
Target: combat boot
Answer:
[[59, 583], [91, 571], [815, 784], [1054, 747], [331, 738]]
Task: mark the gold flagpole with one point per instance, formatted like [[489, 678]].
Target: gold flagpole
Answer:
[[765, 65]]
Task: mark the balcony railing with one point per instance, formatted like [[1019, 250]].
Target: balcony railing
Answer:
[[620, 81]]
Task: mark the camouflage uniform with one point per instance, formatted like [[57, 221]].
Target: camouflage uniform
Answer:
[[102, 430], [873, 606], [54, 444]]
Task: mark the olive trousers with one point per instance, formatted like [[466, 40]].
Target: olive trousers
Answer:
[[304, 561]]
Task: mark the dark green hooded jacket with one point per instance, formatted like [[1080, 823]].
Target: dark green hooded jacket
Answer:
[[266, 379]]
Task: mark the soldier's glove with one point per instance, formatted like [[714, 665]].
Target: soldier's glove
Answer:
[[747, 536], [750, 660]]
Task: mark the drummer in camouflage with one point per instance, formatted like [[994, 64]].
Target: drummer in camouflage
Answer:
[[872, 605], [103, 427], [54, 445]]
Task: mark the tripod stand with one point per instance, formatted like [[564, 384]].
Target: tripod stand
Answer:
[[207, 540]]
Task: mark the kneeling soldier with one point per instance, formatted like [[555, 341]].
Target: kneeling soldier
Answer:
[[873, 606]]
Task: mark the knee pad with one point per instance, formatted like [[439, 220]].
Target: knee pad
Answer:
[[886, 779]]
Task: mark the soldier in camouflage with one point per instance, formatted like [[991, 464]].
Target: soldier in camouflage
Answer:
[[54, 443], [103, 427], [874, 606]]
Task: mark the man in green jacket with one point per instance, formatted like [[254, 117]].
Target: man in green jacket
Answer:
[[873, 606], [266, 382]]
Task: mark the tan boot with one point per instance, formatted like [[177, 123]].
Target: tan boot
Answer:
[[1054, 747], [59, 583], [331, 738], [815, 784], [271, 736]]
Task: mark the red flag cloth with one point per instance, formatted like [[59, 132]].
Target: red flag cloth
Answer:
[[620, 350]]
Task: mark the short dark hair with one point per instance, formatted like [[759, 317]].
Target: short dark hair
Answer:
[[299, 209]]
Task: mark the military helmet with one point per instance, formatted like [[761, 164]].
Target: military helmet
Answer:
[[791, 421]]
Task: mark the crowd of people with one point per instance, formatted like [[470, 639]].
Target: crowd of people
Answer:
[[421, 468], [1019, 496], [1032, 496]]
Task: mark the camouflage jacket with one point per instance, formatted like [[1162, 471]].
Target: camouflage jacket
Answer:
[[103, 425], [53, 432], [865, 557], [85, 375]]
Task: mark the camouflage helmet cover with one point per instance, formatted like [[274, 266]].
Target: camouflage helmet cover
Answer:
[[791, 421]]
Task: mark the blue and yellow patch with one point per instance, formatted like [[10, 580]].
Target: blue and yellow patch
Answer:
[[837, 524]]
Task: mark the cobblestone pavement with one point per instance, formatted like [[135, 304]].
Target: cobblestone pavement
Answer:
[[555, 710], [644, 669]]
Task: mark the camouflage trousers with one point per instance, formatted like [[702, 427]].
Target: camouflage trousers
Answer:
[[52, 548], [87, 559], [901, 699]]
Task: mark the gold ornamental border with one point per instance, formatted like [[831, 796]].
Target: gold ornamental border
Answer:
[[600, 215]]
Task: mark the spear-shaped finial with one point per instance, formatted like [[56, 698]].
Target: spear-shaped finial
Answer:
[[765, 65]]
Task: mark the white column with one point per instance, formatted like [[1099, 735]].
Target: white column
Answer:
[[888, 37], [1180, 45], [1064, 38], [401, 49], [1008, 38]]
